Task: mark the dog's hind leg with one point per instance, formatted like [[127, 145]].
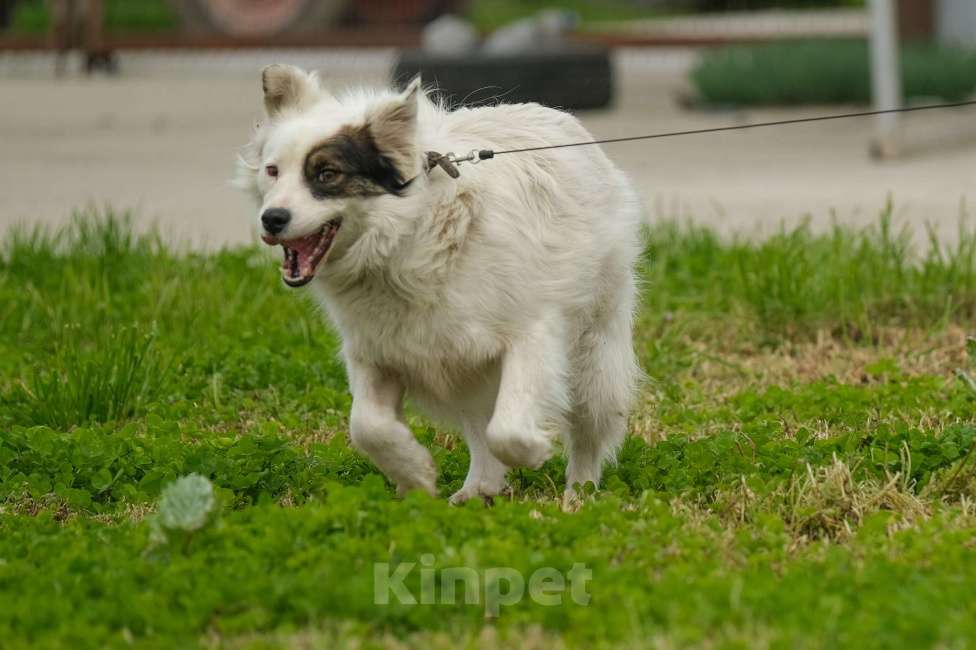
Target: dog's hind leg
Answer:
[[533, 396], [486, 474], [605, 377], [376, 428]]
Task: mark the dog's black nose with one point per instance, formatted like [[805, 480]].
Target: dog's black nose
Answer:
[[275, 220]]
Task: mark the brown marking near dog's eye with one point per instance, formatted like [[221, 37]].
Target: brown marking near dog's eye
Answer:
[[360, 169]]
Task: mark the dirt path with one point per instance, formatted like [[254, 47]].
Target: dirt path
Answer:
[[162, 140]]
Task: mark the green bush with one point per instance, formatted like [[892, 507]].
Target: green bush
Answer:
[[825, 72], [33, 16], [747, 5]]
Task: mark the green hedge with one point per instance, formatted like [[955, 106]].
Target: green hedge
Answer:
[[33, 16], [824, 72], [748, 5]]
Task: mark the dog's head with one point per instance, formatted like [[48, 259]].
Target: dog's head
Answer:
[[319, 165]]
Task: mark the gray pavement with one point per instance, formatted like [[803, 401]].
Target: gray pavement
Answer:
[[161, 140]]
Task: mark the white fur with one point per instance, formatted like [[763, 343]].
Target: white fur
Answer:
[[500, 302]]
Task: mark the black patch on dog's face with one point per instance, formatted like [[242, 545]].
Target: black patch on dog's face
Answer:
[[349, 165]]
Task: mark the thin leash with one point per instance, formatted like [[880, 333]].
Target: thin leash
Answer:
[[449, 161]]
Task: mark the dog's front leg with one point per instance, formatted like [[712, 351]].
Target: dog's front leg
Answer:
[[532, 397], [376, 429]]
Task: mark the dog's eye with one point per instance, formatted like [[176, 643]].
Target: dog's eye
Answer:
[[326, 175], [272, 171]]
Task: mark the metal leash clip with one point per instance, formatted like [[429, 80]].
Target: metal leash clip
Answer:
[[472, 157], [449, 161]]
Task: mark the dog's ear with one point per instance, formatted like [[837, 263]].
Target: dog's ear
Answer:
[[393, 127], [286, 86]]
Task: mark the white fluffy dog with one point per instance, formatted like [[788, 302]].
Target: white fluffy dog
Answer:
[[500, 301]]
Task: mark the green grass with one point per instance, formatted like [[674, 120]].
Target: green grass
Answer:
[[825, 72], [796, 282], [801, 469]]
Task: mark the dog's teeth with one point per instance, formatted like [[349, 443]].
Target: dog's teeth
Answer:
[[299, 264]]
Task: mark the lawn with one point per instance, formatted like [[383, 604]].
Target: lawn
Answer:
[[800, 471]]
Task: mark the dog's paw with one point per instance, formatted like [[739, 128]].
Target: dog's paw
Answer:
[[424, 479], [572, 501], [480, 490], [516, 448]]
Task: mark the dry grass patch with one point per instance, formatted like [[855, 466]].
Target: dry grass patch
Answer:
[[824, 504], [828, 503], [26, 505], [712, 369], [724, 370]]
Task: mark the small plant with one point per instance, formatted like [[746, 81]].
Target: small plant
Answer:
[[186, 503], [186, 506]]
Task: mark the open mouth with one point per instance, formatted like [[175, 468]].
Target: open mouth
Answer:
[[304, 254]]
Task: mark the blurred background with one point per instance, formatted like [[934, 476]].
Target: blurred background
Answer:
[[142, 104]]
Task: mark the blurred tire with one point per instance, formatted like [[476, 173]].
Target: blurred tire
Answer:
[[571, 78], [403, 12], [6, 13], [258, 17]]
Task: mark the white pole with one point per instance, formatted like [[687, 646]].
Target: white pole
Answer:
[[885, 75]]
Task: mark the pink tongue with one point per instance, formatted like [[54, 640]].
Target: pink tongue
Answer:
[[304, 246]]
